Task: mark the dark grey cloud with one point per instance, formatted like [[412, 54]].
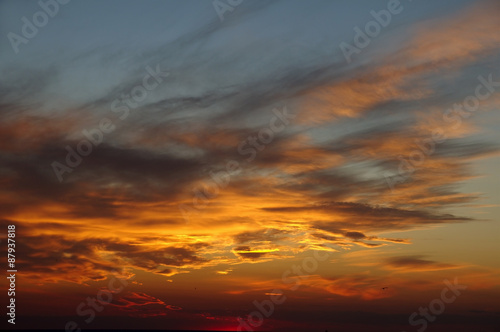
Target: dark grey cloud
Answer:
[[416, 263], [268, 234], [59, 257], [245, 252], [366, 216]]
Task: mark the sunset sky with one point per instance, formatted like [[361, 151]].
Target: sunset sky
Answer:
[[211, 155]]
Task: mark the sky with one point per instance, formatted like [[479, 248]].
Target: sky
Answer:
[[251, 165]]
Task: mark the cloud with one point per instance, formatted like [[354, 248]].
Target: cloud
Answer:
[[416, 263], [52, 258], [355, 235], [138, 304], [252, 253], [366, 216], [266, 235], [319, 185], [358, 286]]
